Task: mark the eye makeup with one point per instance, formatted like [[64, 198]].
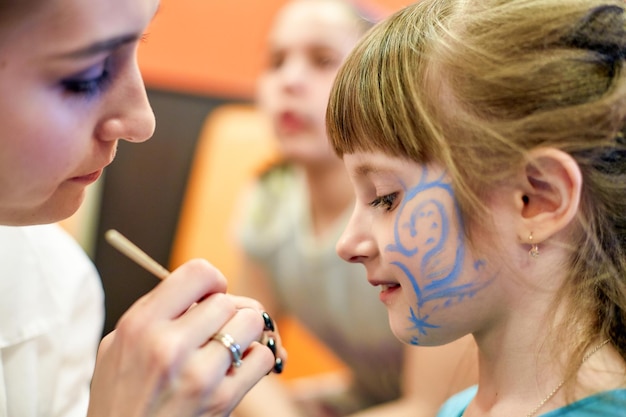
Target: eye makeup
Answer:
[[89, 82]]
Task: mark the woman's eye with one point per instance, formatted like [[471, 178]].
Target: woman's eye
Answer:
[[385, 201], [89, 82]]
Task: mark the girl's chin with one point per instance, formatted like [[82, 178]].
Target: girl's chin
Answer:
[[410, 331], [405, 337], [402, 330]]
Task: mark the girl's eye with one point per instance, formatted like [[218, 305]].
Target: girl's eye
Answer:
[[89, 82], [324, 60], [276, 60], [385, 201]]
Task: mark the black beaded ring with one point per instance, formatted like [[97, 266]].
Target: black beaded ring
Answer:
[[269, 323]]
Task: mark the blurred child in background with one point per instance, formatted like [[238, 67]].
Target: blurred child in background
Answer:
[[290, 225]]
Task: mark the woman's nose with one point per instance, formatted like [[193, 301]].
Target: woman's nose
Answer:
[[130, 116]]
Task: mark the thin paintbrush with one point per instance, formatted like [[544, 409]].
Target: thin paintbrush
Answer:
[[128, 248], [132, 251]]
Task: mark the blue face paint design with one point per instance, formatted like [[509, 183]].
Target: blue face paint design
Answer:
[[437, 246]]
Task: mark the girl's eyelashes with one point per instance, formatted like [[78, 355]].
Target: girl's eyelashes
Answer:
[[386, 201], [324, 60], [89, 82], [275, 60], [317, 58]]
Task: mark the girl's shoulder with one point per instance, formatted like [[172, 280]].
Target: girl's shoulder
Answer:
[[606, 404], [272, 201], [276, 181]]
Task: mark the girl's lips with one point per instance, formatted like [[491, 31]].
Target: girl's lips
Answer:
[[386, 287], [290, 122], [388, 292]]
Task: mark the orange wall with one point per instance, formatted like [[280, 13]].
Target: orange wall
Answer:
[[211, 47]]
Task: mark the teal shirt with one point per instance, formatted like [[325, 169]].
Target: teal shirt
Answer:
[[604, 404]]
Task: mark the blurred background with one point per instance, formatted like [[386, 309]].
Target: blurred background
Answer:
[[199, 56]]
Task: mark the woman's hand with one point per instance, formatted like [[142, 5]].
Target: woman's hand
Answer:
[[161, 359]]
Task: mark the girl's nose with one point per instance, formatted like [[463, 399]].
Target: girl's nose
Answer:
[[294, 74], [356, 243]]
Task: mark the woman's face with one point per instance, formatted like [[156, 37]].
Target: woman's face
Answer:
[[307, 44], [407, 231], [70, 88]]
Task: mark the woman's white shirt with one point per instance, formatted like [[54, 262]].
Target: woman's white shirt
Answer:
[[51, 318]]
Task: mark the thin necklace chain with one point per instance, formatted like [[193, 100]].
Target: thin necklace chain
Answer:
[[558, 387]]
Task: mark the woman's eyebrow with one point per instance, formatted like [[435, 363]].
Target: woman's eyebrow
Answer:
[[107, 45], [102, 46]]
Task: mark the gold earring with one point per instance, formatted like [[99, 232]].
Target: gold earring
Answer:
[[534, 249]]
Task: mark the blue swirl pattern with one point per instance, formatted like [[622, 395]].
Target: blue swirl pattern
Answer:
[[437, 246]]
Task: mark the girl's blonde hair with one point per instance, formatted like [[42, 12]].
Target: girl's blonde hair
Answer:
[[475, 85]]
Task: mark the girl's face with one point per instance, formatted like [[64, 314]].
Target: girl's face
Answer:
[[406, 230], [70, 88], [308, 43]]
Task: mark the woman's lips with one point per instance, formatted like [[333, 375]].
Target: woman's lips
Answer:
[[89, 178]]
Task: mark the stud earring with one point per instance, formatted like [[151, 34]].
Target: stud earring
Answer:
[[534, 249]]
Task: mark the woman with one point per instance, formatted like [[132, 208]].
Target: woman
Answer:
[[71, 89]]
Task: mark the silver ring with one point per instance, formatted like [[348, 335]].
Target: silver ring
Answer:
[[229, 343]]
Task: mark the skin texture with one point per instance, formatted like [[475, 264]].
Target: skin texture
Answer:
[[407, 231], [83, 102], [71, 90]]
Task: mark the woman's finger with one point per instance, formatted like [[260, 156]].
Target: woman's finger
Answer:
[[186, 285], [270, 337], [212, 369]]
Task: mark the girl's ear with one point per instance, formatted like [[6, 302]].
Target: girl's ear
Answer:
[[550, 196]]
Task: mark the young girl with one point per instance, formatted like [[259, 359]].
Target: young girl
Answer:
[[70, 89], [292, 221], [485, 142]]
